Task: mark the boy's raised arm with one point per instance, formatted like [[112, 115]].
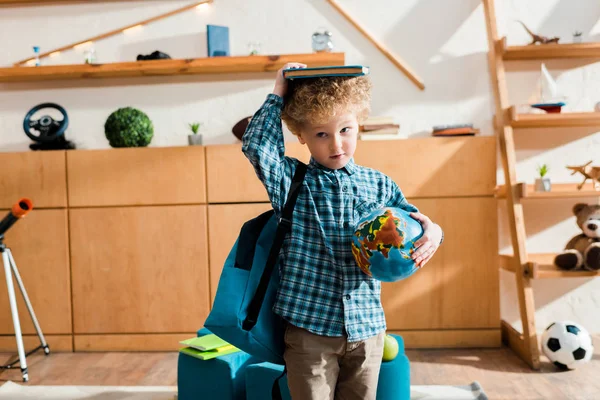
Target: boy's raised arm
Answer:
[[263, 144]]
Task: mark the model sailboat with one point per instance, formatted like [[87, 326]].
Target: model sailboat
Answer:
[[551, 100]]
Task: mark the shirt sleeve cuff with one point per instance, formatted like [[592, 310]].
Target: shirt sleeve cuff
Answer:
[[274, 100]]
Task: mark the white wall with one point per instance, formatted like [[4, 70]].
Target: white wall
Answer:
[[443, 41]]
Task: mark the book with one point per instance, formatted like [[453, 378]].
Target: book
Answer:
[[318, 72], [379, 120], [381, 136], [452, 126], [374, 127], [205, 343], [217, 40], [456, 132], [207, 355], [382, 131]]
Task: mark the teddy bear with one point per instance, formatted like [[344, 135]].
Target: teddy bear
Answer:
[[583, 250]]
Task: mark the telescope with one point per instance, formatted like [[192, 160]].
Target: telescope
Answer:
[[18, 210]]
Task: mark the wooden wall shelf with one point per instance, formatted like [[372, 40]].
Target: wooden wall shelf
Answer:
[[541, 266], [553, 120], [559, 191], [211, 65], [548, 51]]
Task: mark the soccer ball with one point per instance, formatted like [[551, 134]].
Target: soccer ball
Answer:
[[567, 344]]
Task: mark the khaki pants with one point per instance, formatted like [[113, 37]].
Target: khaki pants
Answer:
[[323, 367]]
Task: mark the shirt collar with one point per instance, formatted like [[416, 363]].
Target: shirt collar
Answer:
[[350, 166]]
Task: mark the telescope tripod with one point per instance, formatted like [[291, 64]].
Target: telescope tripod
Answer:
[[10, 269]]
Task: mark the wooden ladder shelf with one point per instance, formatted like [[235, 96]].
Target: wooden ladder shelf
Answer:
[[529, 266]]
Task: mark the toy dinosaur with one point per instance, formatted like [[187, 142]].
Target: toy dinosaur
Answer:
[[541, 39], [589, 172]]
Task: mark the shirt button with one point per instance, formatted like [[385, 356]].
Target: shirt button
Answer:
[[344, 188], [346, 225], [347, 297]]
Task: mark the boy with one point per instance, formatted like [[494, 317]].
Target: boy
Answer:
[[335, 322]]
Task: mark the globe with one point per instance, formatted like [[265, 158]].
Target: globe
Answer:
[[383, 243]]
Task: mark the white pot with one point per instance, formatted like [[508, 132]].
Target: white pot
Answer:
[[195, 140], [543, 185]]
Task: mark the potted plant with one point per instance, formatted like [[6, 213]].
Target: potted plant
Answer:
[[577, 36], [542, 184], [128, 127], [195, 139]]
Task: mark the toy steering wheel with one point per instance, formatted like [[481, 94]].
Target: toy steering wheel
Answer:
[[48, 129]]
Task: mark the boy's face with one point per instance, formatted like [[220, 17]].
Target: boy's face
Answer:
[[331, 144]]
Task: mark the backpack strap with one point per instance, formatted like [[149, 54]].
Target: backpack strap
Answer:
[[283, 227]]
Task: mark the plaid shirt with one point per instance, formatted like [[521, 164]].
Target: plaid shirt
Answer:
[[322, 289]]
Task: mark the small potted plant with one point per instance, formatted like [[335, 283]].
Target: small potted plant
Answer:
[[542, 184], [577, 36], [195, 139]]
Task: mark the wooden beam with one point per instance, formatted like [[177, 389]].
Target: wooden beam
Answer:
[[514, 339], [117, 31], [514, 207], [400, 64], [507, 262]]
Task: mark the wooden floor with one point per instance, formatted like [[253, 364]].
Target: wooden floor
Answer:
[[501, 374]]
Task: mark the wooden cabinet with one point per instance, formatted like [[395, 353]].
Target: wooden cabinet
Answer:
[[454, 300], [130, 260], [139, 269], [40, 246], [136, 176], [458, 288], [39, 176], [435, 167], [231, 178]]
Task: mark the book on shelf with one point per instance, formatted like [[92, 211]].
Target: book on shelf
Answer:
[[451, 126], [382, 131], [319, 72], [379, 124], [379, 120], [382, 136], [217, 40], [456, 132], [209, 354], [374, 127]]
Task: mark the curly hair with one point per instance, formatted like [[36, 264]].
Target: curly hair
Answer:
[[317, 100]]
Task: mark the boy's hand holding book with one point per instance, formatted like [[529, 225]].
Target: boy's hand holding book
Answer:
[[281, 85]]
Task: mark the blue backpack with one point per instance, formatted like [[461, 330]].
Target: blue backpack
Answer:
[[242, 311]]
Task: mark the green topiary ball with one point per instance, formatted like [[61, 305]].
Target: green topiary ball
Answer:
[[128, 127]]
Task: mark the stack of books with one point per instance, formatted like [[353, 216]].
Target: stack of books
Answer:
[[379, 128], [207, 347], [455, 130]]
